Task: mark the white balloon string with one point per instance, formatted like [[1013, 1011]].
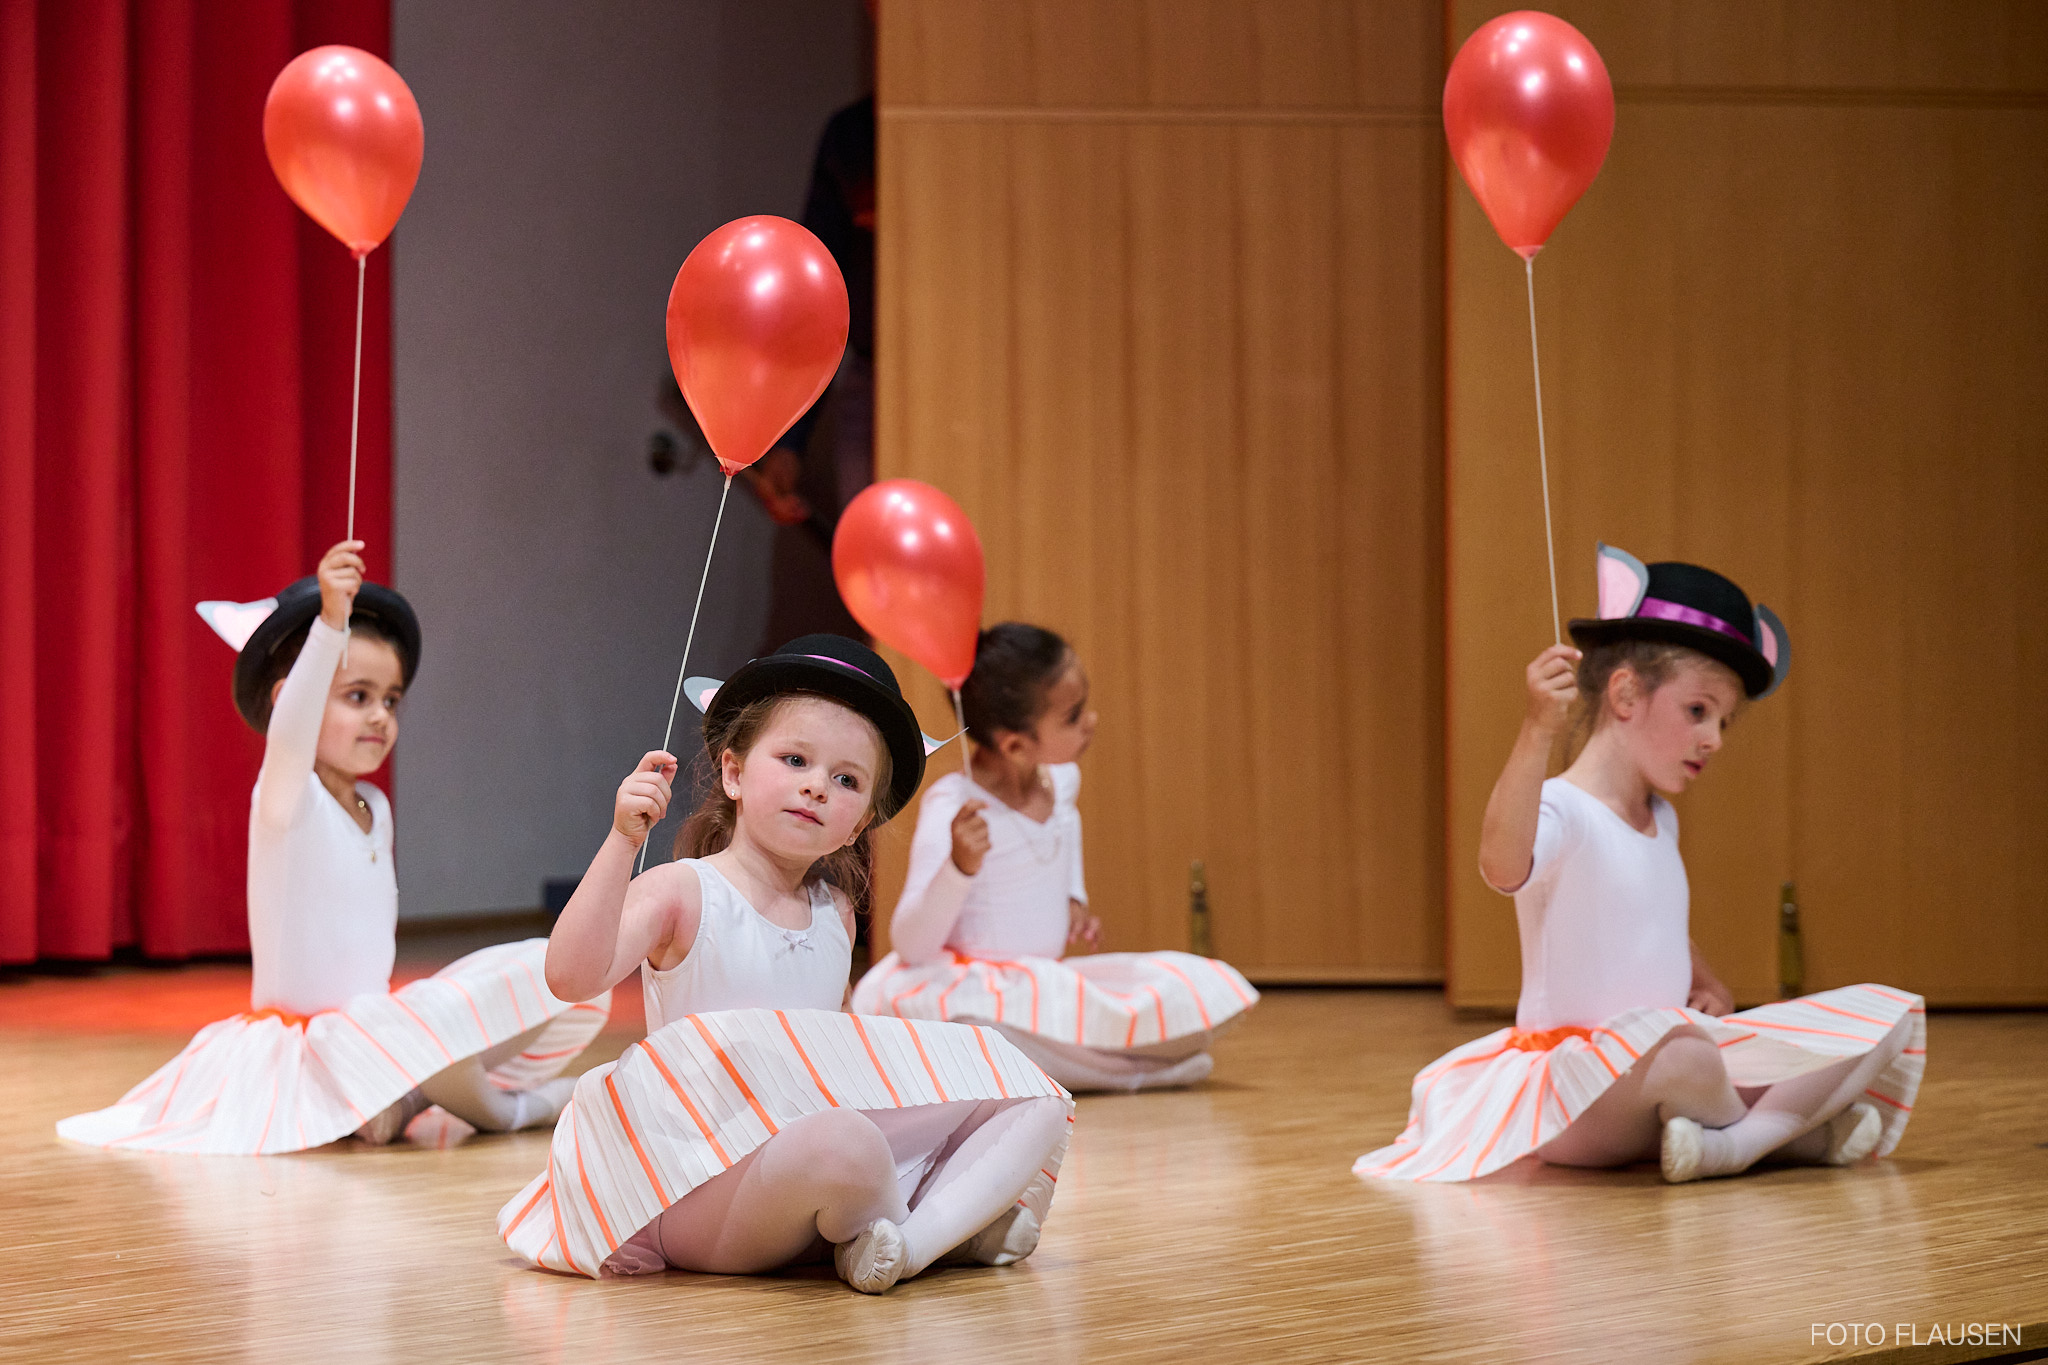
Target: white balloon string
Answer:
[[1543, 455], [355, 415], [688, 640], [960, 715]]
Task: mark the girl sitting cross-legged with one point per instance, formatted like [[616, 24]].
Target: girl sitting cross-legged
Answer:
[[757, 1126], [1624, 1047]]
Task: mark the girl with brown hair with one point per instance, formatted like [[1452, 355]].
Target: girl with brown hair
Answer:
[[757, 1126]]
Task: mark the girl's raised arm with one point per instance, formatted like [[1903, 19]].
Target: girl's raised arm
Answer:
[[945, 854], [1507, 836], [615, 920], [292, 738]]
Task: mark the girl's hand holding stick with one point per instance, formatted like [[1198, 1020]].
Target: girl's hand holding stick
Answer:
[[644, 796], [970, 837], [341, 578]]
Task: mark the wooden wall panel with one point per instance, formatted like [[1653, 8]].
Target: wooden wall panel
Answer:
[[1160, 305], [1792, 332], [1238, 58]]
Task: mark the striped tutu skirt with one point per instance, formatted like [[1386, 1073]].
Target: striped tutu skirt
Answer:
[[1165, 1004], [265, 1081], [1497, 1099], [701, 1093]]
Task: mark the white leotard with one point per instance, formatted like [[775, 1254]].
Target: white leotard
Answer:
[[1602, 914], [1017, 905], [323, 896], [741, 961]]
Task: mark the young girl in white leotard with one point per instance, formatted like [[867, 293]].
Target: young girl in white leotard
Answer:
[[327, 1047], [996, 894], [757, 1126], [1624, 1045]]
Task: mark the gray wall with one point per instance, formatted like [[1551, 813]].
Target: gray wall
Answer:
[[576, 151]]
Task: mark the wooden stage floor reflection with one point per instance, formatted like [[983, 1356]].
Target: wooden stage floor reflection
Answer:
[[1217, 1224]]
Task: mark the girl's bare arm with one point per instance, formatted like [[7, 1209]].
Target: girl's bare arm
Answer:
[[615, 920], [1507, 836], [1708, 994]]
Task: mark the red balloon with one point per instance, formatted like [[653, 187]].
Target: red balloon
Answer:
[[345, 140], [756, 326], [908, 565], [1529, 112]]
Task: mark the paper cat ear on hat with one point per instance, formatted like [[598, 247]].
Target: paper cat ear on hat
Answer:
[[1623, 582], [700, 691], [235, 622], [1775, 645]]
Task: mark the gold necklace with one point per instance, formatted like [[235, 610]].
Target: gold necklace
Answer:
[[363, 805]]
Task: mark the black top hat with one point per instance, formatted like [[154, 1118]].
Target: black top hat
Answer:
[[1684, 604], [297, 605], [846, 671]]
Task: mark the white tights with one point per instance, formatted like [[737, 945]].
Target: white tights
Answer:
[[1683, 1077], [466, 1091], [828, 1176]]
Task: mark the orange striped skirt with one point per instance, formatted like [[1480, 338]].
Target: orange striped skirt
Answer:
[[701, 1093], [266, 1081], [1168, 1004], [1499, 1098]]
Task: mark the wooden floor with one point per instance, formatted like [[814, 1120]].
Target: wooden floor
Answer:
[[1216, 1224]]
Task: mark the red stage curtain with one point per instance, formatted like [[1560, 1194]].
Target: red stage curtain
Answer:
[[174, 385]]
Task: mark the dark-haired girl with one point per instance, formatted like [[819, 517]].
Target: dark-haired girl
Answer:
[[327, 1048], [996, 894], [1624, 1047], [757, 1125]]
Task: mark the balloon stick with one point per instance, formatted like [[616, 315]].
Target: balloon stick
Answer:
[[1542, 455], [690, 639], [355, 412], [355, 416]]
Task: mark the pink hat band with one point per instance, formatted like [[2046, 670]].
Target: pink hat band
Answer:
[[1658, 609]]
